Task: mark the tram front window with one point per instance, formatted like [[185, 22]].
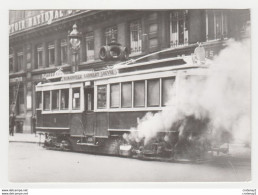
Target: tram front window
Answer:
[[76, 98]]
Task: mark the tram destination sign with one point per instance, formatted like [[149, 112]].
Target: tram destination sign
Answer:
[[90, 75]]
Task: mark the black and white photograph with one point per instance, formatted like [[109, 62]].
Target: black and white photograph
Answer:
[[129, 95]]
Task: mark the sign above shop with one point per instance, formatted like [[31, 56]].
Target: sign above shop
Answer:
[[90, 75], [57, 73], [17, 79], [44, 18]]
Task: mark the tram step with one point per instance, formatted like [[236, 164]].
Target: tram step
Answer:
[[87, 144]]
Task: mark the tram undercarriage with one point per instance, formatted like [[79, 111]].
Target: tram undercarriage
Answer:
[[174, 149]]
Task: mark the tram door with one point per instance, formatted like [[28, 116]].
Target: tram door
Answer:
[[90, 121]]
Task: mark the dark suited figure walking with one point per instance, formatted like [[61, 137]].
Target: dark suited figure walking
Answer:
[[34, 122], [11, 124]]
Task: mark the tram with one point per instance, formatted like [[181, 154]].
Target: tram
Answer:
[[91, 111]]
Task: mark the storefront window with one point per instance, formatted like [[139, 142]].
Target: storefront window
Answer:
[[114, 95], [39, 99], [11, 65], [102, 97], [76, 98], [55, 100], [64, 99], [167, 87], [126, 95], [139, 94], [153, 92], [46, 96], [51, 53], [19, 61]]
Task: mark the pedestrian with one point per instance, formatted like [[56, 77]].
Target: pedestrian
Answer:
[[34, 122], [11, 124]]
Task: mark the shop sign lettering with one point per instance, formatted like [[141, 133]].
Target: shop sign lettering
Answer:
[[17, 79], [90, 75]]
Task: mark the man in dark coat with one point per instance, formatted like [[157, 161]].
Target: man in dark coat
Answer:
[[34, 122], [11, 124]]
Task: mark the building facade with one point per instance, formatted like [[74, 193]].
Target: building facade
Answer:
[[39, 43]]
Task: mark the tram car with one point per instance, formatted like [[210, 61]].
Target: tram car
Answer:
[[92, 111]]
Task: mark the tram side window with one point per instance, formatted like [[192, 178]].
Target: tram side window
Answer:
[[46, 100], [127, 95], [102, 97], [55, 100], [139, 93], [64, 99], [114, 95], [153, 90], [39, 99], [76, 98], [167, 90]]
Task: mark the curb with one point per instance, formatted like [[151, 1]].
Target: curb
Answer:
[[31, 142]]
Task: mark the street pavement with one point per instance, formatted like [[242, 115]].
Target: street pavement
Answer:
[[27, 138], [29, 162]]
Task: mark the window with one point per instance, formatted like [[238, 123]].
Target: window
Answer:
[[102, 96], [63, 51], [39, 57], [89, 40], [19, 61], [135, 37], [76, 98], [64, 99], [55, 100], [216, 25], [110, 32], [11, 67], [127, 95], [167, 90], [39, 99], [51, 53], [153, 92], [139, 94], [46, 103], [114, 95], [179, 28]]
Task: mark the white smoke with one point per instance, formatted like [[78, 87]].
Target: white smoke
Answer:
[[223, 97]]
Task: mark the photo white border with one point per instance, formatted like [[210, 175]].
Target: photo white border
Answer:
[[123, 4]]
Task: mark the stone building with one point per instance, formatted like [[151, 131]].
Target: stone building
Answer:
[[39, 43]]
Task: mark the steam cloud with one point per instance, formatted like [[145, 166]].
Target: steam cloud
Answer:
[[223, 98]]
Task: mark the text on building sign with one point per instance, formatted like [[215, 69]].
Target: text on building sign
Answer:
[[43, 18], [90, 75]]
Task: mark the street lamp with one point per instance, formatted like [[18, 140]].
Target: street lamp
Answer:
[[75, 42]]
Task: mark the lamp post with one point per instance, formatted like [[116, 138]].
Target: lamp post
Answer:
[[75, 42]]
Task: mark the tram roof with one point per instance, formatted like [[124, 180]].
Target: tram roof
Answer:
[[123, 69]]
